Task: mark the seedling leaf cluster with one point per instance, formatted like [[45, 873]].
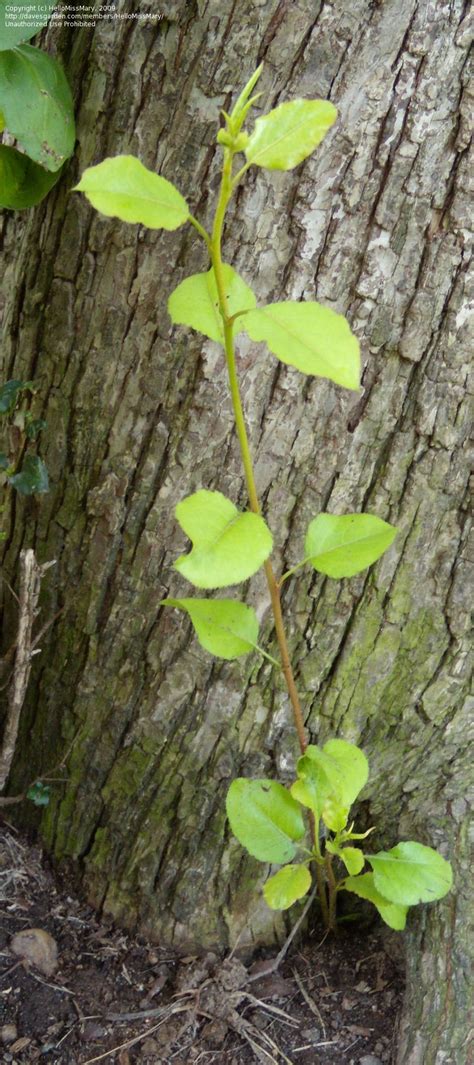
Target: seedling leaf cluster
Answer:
[[305, 828]]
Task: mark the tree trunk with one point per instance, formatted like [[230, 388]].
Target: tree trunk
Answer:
[[374, 224]]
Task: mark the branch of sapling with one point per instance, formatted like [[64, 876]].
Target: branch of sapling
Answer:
[[229, 546]]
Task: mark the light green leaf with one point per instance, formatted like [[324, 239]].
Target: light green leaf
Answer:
[[22, 23], [346, 767], [334, 815], [37, 105], [311, 789], [195, 302], [410, 873], [32, 479], [241, 104], [228, 546], [287, 886], [341, 545], [22, 182], [289, 133], [265, 819], [353, 859], [225, 628], [392, 913], [330, 779], [312, 338], [121, 187]]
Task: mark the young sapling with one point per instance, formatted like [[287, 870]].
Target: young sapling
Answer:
[[275, 824]]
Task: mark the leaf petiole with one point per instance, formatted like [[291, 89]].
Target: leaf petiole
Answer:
[[200, 229]]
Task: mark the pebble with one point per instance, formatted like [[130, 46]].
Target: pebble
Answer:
[[150, 1046], [311, 1034], [370, 1059], [37, 947], [8, 1033]]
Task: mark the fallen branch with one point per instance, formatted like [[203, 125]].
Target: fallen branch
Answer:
[[31, 575]]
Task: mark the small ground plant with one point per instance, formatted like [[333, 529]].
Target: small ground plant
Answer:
[[21, 468], [310, 820]]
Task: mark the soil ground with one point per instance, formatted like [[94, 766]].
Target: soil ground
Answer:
[[116, 998]]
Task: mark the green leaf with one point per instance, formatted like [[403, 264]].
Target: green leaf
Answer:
[[22, 23], [241, 104], [330, 779], [287, 886], [34, 426], [353, 859], [228, 546], [311, 789], [410, 873], [4, 461], [39, 793], [22, 182], [122, 187], [334, 815], [32, 478], [225, 628], [264, 818], [346, 767], [341, 545], [195, 302], [312, 338], [9, 393], [393, 914], [289, 133], [37, 105]]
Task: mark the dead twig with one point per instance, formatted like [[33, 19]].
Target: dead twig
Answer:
[[309, 1001], [31, 575], [275, 963]]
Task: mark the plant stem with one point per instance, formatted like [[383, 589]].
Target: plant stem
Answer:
[[226, 189], [216, 257], [321, 882], [331, 924]]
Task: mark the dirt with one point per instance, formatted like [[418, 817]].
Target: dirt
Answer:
[[333, 999]]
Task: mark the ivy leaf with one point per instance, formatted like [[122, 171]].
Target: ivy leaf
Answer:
[[121, 187], [353, 859], [34, 426], [23, 183], [39, 793], [287, 886], [312, 338], [225, 628], [340, 546], [288, 134], [29, 18], [195, 302], [37, 105], [9, 393], [32, 478], [264, 818], [410, 873], [392, 913], [228, 546]]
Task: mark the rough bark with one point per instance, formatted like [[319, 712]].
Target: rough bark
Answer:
[[376, 225]]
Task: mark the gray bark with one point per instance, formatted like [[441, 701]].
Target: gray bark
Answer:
[[375, 224]]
